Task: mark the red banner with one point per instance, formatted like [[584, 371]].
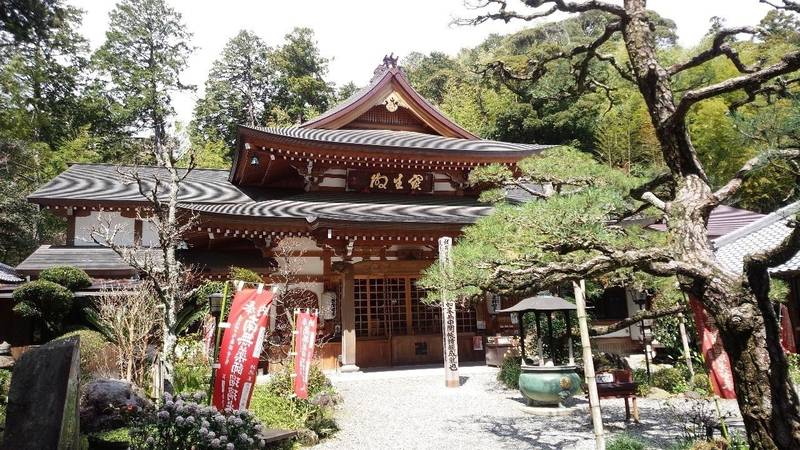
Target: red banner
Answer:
[[711, 346], [241, 349], [787, 331], [306, 326]]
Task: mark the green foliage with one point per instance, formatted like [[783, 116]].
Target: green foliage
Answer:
[[670, 379], [70, 277], [145, 52], [240, 89], [192, 369], [625, 442], [282, 384], [45, 302], [276, 406], [301, 90], [115, 436], [185, 423], [539, 232], [701, 383], [246, 275], [794, 367], [640, 378], [509, 372], [98, 356]]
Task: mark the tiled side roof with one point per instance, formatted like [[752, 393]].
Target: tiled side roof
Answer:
[[91, 259], [104, 182], [356, 208], [9, 275], [401, 140], [723, 220], [763, 234]]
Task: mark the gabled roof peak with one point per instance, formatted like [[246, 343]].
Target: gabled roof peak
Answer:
[[388, 80]]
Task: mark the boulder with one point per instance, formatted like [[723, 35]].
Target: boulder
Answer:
[[108, 404], [658, 394], [6, 360]]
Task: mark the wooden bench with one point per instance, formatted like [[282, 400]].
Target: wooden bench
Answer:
[[623, 387]]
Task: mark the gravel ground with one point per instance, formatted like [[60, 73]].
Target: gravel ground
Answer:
[[411, 409]]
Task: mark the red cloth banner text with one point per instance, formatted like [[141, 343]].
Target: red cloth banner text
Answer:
[[719, 365], [787, 332], [306, 326], [241, 348]]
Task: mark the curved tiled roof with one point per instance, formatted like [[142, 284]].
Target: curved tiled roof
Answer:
[[104, 182], [761, 235], [401, 141], [209, 191], [9, 275], [356, 208]]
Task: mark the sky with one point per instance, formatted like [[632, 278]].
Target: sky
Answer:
[[356, 34]]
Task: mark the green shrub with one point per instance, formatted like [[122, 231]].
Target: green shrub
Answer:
[[246, 275], [282, 384], [643, 385], [276, 406], [625, 442], [291, 413], [70, 277], [192, 369], [701, 383], [98, 356], [670, 379], [794, 367], [509, 372], [5, 385], [185, 423], [46, 302]]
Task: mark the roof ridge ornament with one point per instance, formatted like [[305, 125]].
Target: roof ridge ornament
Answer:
[[389, 62]]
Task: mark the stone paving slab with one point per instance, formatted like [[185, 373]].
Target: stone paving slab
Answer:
[[412, 409]]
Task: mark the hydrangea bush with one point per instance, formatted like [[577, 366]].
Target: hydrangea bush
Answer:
[[183, 422]]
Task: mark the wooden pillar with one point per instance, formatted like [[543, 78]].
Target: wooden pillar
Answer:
[[570, 354], [588, 366], [687, 352], [521, 335], [71, 230], [348, 309], [539, 345], [550, 340]]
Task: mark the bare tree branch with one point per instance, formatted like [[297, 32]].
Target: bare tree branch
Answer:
[[636, 318], [788, 5], [789, 63], [719, 47], [753, 164]]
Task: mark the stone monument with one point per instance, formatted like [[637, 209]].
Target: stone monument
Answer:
[[42, 408]]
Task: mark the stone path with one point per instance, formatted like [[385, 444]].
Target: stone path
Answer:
[[411, 409]]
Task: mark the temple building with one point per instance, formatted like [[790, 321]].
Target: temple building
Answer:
[[367, 188]]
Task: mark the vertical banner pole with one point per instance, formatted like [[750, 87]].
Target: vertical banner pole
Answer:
[[217, 338], [685, 340], [449, 330], [588, 366]]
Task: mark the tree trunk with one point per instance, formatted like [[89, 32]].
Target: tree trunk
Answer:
[[764, 392], [765, 395]]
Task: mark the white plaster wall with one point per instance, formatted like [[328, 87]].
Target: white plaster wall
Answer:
[[84, 226], [304, 265], [149, 235]]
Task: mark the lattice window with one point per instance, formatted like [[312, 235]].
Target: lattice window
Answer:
[[380, 309], [361, 301], [426, 319]]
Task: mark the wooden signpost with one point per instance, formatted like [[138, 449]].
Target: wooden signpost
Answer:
[[449, 330]]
